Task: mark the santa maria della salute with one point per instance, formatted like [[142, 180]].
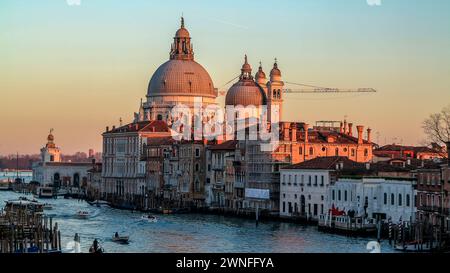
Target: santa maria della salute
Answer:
[[182, 81], [144, 166]]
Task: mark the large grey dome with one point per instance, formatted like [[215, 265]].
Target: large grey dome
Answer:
[[181, 78]]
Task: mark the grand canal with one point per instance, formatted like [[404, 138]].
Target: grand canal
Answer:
[[192, 233]]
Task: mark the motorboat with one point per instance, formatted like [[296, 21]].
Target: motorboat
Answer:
[[83, 214], [48, 206], [149, 218], [120, 239]]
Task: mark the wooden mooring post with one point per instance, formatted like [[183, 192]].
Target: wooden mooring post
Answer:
[[24, 229]]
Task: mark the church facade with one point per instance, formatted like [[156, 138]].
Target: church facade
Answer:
[[52, 171]]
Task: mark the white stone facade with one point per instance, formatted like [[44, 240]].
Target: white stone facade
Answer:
[[390, 198]]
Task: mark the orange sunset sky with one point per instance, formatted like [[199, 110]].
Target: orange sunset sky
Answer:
[[78, 69]]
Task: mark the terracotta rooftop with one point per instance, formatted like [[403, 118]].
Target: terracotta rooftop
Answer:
[[143, 126], [227, 145], [326, 163]]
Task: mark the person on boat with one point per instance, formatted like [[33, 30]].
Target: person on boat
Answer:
[[95, 247]]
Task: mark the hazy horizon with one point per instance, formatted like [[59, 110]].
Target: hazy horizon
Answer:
[[78, 69]]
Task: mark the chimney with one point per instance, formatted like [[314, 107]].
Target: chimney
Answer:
[[360, 129], [341, 128], [369, 135], [305, 128], [286, 126], [345, 126], [107, 128], [114, 127], [294, 132], [350, 129]]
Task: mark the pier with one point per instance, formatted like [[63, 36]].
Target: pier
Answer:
[[25, 229]]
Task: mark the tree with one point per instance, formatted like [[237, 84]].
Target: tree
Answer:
[[437, 126]]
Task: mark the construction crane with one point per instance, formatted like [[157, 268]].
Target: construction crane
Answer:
[[325, 90], [312, 89]]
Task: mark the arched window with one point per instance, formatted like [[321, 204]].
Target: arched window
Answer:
[[197, 167], [400, 199], [300, 151], [339, 195], [408, 201], [333, 195], [385, 198], [392, 199], [160, 117], [345, 196]]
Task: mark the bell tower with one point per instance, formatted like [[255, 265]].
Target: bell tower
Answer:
[[50, 153], [275, 93]]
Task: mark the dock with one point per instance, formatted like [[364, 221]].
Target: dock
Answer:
[[24, 228]]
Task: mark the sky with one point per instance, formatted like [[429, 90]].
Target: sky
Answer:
[[80, 68]]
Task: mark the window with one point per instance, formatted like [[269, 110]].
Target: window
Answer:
[[408, 202], [315, 180], [385, 198], [392, 199], [353, 152], [400, 200], [311, 151], [322, 180], [300, 151], [197, 152], [284, 206], [339, 195], [366, 152], [345, 196], [333, 195], [197, 167], [309, 180], [337, 151]]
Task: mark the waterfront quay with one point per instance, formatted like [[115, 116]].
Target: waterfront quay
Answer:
[[191, 233]]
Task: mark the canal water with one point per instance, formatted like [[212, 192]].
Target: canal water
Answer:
[[191, 233], [10, 176]]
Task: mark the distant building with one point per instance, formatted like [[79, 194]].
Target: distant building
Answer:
[[51, 171], [408, 152]]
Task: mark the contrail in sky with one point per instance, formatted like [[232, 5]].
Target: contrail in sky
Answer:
[[229, 23]]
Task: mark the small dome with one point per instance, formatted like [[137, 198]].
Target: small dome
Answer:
[[260, 76], [182, 33], [245, 93], [275, 73]]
